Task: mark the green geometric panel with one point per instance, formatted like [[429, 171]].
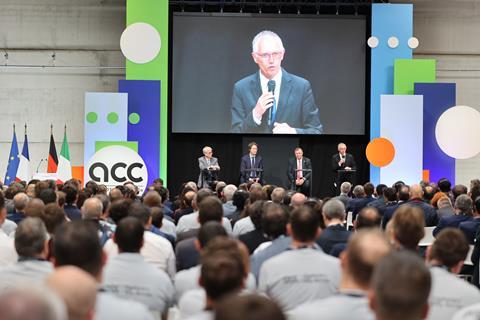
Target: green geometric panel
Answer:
[[409, 71], [129, 144]]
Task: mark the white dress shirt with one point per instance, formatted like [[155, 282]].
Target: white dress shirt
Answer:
[[264, 85]]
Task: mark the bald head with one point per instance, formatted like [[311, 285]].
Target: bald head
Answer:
[[92, 209], [298, 199], [20, 201], [416, 191], [77, 289]]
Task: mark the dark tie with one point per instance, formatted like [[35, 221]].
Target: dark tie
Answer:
[[252, 174]]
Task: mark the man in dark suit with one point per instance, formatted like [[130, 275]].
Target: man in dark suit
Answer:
[[300, 180], [335, 232], [289, 97], [470, 227], [463, 213], [209, 168], [343, 161], [249, 163], [416, 200]]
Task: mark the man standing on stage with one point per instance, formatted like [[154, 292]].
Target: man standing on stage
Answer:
[[273, 100], [251, 165], [300, 172], [343, 165], [209, 168]]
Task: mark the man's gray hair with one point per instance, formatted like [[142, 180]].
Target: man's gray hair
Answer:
[[278, 194], [334, 209], [228, 191], [265, 34], [205, 149], [345, 187], [30, 237], [92, 208], [358, 191], [20, 201], [465, 204]]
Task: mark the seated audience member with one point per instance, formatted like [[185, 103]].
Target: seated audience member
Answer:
[[105, 206], [298, 199], [256, 237], [8, 254], [470, 227], [187, 255], [380, 202], [407, 228], [335, 232], [359, 201], [190, 221], [166, 204], [115, 195], [119, 210], [428, 193], [391, 204], [458, 190], [367, 218], [155, 250], [445, 186], [449, 293], [274, 224], [463, 212], [416, 200], [222, 274], [245, 224], [186, 206], [148, 285], [31, 303], [48, 196], [53, 217], [76, 244], [20, 201], [303, 273], [239, 201], [445, 208], [92, 211], [278, 194], [400, 287], [251, 307], [158, 227], [186, 280], [77, 289], [344, 196], [71, 196], [369, 189], [31, 245], [364, 250], [227, 196]]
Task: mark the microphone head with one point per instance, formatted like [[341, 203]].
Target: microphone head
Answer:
[[271, 85]]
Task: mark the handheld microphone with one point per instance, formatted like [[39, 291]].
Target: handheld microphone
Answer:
[[271, 88]]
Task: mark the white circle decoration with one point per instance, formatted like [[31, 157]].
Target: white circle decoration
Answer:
[[457, 132], [372, 42], [413, 43], [393, 42], [140, 42]]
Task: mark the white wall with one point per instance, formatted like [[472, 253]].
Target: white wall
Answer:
[[81, 33]]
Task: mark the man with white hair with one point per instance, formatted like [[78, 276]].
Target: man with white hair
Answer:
[[228, 208], [256, 103], [335, 232], [208, 168], [344, 193], [342, 165]]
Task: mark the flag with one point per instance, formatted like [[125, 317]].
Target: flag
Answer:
[[23, 173], [13, 161], [64, 171], [52, 156]]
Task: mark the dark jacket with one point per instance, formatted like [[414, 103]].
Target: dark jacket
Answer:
[[332, 235]]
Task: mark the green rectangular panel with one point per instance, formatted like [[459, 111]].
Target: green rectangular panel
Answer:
[[129, 144], [409, 71], [155, 13]]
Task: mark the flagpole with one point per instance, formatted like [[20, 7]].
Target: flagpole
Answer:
[[25, 129], [14, 128], [51, 129]]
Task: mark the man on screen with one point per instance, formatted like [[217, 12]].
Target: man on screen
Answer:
[[300, 172], [251, 165], [273, 100]]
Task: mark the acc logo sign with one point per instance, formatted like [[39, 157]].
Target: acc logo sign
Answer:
[[114, 165]]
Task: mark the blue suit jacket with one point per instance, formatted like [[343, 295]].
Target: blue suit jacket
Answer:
[[450, 221], [296, 105], [469, 228], [245, 163]]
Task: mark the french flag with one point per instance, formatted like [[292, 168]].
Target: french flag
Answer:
[[23, 172]]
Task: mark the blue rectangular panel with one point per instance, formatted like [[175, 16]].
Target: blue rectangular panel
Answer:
[[401, 122], [437, 98], [388, 20], [105, 120], [144, 100]]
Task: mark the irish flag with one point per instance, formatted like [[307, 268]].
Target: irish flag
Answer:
[[64, 171]]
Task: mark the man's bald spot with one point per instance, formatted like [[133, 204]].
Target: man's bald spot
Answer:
[[77, 289], [298, 199], [416, 191]]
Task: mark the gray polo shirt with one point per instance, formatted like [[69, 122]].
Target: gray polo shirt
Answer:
[[130, 277], [110, 307], [449, 294], [346, 305], [298, 276], [25, 272], [469, 313]]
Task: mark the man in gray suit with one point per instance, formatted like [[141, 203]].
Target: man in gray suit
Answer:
[[208, 168], [273, 100]]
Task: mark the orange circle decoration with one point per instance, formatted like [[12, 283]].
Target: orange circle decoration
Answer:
[[380, 152]]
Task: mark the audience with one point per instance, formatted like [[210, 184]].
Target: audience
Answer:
[[227, 196], [20, 201], [8, 254], [407, 228], [344, 196], [335, 231], [416, 200], [258, 236], [251, 307], [463, 213]]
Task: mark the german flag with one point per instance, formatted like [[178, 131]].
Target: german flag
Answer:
[[52, 156]]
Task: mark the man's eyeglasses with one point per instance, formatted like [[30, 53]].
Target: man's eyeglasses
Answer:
[[268, 56]]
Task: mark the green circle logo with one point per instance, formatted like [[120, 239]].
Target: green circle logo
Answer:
[[92, 117], [112, 117], [134, 118]]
